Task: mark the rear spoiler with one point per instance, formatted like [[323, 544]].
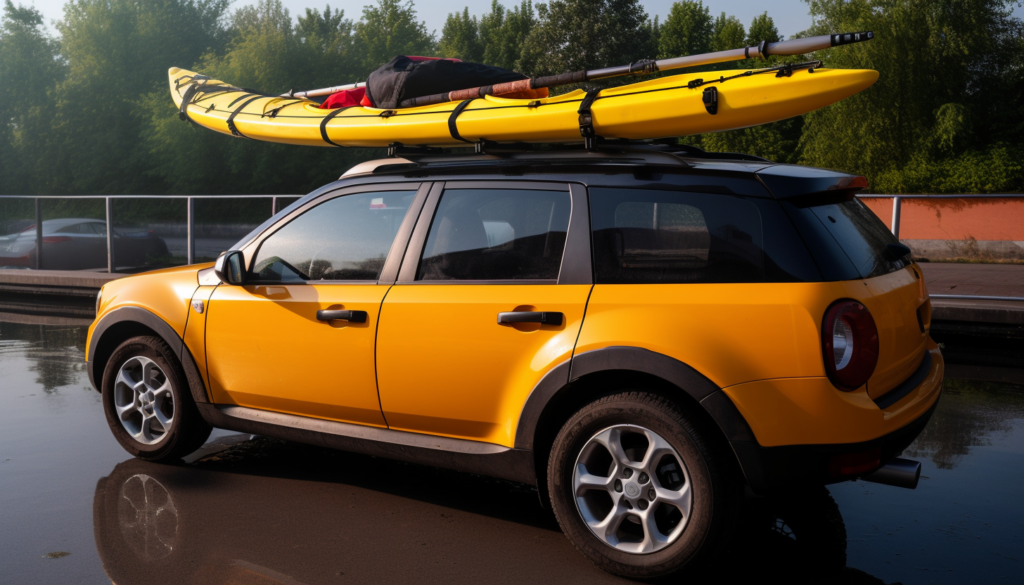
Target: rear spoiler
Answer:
[[803, 185]]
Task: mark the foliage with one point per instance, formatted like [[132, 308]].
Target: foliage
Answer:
[[728, 33], [688, 30], [87, 110], [571, 35], [266, 52], [945, 114], [503, 33], [390, 28], [460, 38], [29, 73]]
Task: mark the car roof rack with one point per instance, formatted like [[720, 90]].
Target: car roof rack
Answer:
[[663, 153]]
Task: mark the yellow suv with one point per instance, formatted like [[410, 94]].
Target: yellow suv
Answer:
[[640, 331]]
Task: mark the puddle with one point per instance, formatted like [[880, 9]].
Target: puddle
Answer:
[[246, 509]]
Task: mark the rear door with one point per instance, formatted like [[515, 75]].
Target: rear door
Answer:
[[490, 298], [270, 346]]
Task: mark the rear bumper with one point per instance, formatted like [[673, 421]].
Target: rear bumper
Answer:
[[806, 433], [774, 469]]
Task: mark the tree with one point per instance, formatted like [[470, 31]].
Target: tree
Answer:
[[688, 30], [460, 38], [762, 29], [270, 53], [390, 28], [930, 116], [503, 33], [116, 51], [728, 33], [29, 71], [586, 34]]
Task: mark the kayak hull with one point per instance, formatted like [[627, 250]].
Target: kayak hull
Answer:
[[658, 108]]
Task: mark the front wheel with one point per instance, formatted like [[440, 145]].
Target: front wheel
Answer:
[[638, 487], [147, 402]]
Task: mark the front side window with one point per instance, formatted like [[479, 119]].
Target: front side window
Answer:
[[643, 236], [496, 234], [345, 238]]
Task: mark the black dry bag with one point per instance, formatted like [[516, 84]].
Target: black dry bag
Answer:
[[404, 77]]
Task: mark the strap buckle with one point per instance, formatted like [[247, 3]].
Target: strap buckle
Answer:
[[586, 119]]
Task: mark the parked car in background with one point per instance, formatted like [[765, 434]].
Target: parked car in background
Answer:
[[78, 244]]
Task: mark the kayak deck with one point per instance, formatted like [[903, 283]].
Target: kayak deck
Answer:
[[659, 108]]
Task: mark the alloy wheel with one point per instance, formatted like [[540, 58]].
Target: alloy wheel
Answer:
[[632, 489], [143, 400]]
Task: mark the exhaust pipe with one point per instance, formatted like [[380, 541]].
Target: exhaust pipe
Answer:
[[899, 472]]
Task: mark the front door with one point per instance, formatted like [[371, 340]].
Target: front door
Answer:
[[487, 309], [299, 336]]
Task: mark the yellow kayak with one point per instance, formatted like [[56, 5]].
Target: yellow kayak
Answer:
[[658, 108]]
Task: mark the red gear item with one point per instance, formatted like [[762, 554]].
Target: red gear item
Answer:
[[346, 99]]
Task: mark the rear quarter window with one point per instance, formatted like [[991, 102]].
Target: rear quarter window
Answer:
[[650, 236], [861, 235]]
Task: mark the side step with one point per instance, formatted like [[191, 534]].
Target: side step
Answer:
[[457, 454]]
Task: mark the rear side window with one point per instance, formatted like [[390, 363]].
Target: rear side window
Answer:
[[496, 234], [643, 236], [345, 238], [861, 235]]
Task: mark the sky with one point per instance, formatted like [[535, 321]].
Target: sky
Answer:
[[790, 15]]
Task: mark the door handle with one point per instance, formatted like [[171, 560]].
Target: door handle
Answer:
[[544, 318], [338, 315]]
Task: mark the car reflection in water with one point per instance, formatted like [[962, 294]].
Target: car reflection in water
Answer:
[[266, 511], [78, 244]]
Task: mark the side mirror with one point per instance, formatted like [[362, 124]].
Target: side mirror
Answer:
[[230, 267]]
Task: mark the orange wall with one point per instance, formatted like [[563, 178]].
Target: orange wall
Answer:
[[955, 219]]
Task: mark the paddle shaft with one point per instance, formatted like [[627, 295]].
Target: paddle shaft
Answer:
[[323, 91], [762, 51]]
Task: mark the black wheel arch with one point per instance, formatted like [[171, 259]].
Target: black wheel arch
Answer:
[[590, 375], [124, 323]]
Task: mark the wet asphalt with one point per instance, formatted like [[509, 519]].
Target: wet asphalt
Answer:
[[75, 508]]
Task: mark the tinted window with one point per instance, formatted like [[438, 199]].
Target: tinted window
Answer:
[[860, 234], [345, 238], [499, 234], [671, 237], [77, 228]]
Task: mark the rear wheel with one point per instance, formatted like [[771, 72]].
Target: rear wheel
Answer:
[[147, 402], [638, 488]]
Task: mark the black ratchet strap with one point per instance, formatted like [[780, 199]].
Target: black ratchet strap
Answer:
[[240, 98], [185, 101], [194, 91], [323, 126], [453, 128], [231, 118], [587, 118]]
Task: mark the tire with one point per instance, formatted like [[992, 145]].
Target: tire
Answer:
[[707, 474], [178, 428]]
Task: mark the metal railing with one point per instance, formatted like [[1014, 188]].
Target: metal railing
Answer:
[[108, 200], [897, 203], [190, 213]]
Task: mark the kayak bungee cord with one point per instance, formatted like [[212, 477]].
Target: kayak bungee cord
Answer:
[[762, 51]]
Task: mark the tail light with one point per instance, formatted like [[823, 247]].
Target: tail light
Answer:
[[849, 340]]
